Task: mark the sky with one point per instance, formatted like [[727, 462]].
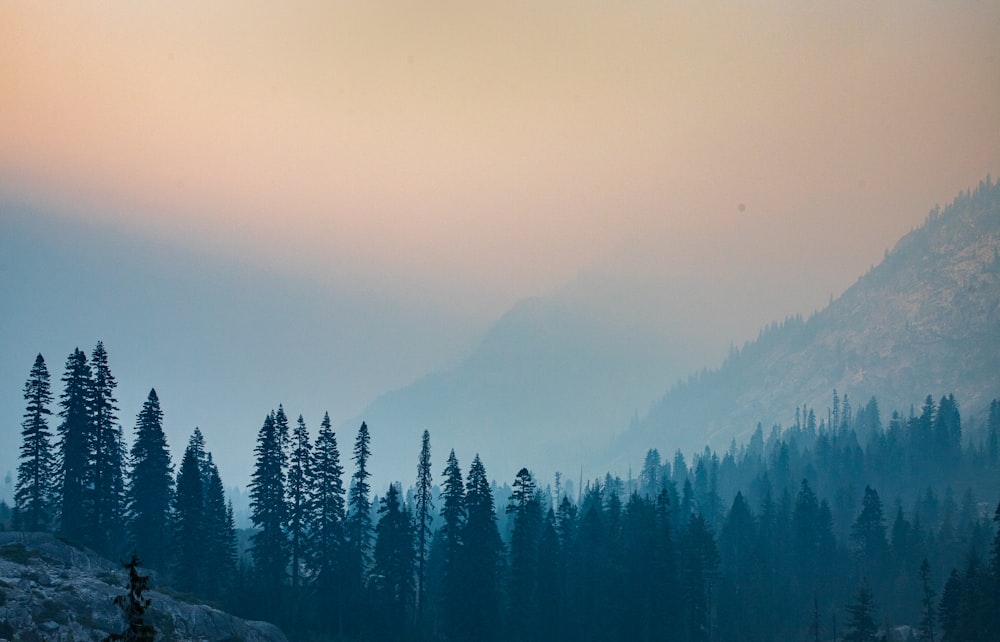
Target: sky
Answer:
[[458, 157]]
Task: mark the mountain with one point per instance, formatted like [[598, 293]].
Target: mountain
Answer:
[[50, 590], [926, 320], [554, 379]]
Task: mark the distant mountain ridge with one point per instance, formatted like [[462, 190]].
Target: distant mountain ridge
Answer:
[[926, 320], [554, 380]]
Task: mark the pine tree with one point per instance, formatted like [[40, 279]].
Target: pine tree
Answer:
[[949, 614], [150, 488], [526, 510], [220, 533], [359, 525], [927, 614], [807, 537], [189, 521], [300, 474], [664, 566], [424, 517], [699, 561], [548, 604], [481, 557], [868, 536], [861, 616], [107, 471], [393, 566], [638, 551], [450, 535], [326, 530], [35, 492], [75, 440], [268, 510], [993, 440], [133, 604], [649, 476]]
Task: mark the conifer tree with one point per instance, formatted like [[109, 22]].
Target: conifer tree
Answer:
[[220, 533], [450, 535], [861, 616], [359, 525], [75, 440], [300, 474], [549, 603], [649, 476], [133, 604], [868, 535], [993, 439], [189, 521], [35, 492], [268, 510], [393, 568], [699, 561], [326, 529], [357, 559], [150, 488], [107, 471], [481, 557], [927, 613], [526, 510], [424, 506], [638, 552], [664, 566]]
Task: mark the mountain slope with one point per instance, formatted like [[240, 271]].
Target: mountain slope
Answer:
[[553, 381], [924, 321]]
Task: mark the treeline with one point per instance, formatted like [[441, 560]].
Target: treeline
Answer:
[[84, 484], [839, 527]]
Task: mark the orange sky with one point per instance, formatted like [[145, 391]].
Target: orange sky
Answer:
[[490, 150]]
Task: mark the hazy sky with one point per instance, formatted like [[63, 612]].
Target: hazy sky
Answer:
[[463, 155], [487, 150]]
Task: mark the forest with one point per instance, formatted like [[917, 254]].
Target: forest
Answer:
[[842, 526]]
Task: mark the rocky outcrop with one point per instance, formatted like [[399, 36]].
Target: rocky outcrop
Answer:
[[51, 590]]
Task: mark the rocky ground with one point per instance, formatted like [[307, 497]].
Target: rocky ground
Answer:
[[51, 590]]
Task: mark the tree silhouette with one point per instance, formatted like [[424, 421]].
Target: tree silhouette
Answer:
[[268, 510], [134, 605], [35, 490], [150, 487], [861, 616], [424, 516], [75, 443]]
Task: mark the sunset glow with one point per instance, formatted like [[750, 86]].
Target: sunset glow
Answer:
[[494, 146]]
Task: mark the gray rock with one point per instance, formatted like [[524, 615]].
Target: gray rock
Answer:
[[51, 590]]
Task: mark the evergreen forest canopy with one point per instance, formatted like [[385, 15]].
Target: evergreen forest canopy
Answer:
[[841, 528]]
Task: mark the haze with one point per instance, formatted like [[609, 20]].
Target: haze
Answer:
[[443, 160]]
